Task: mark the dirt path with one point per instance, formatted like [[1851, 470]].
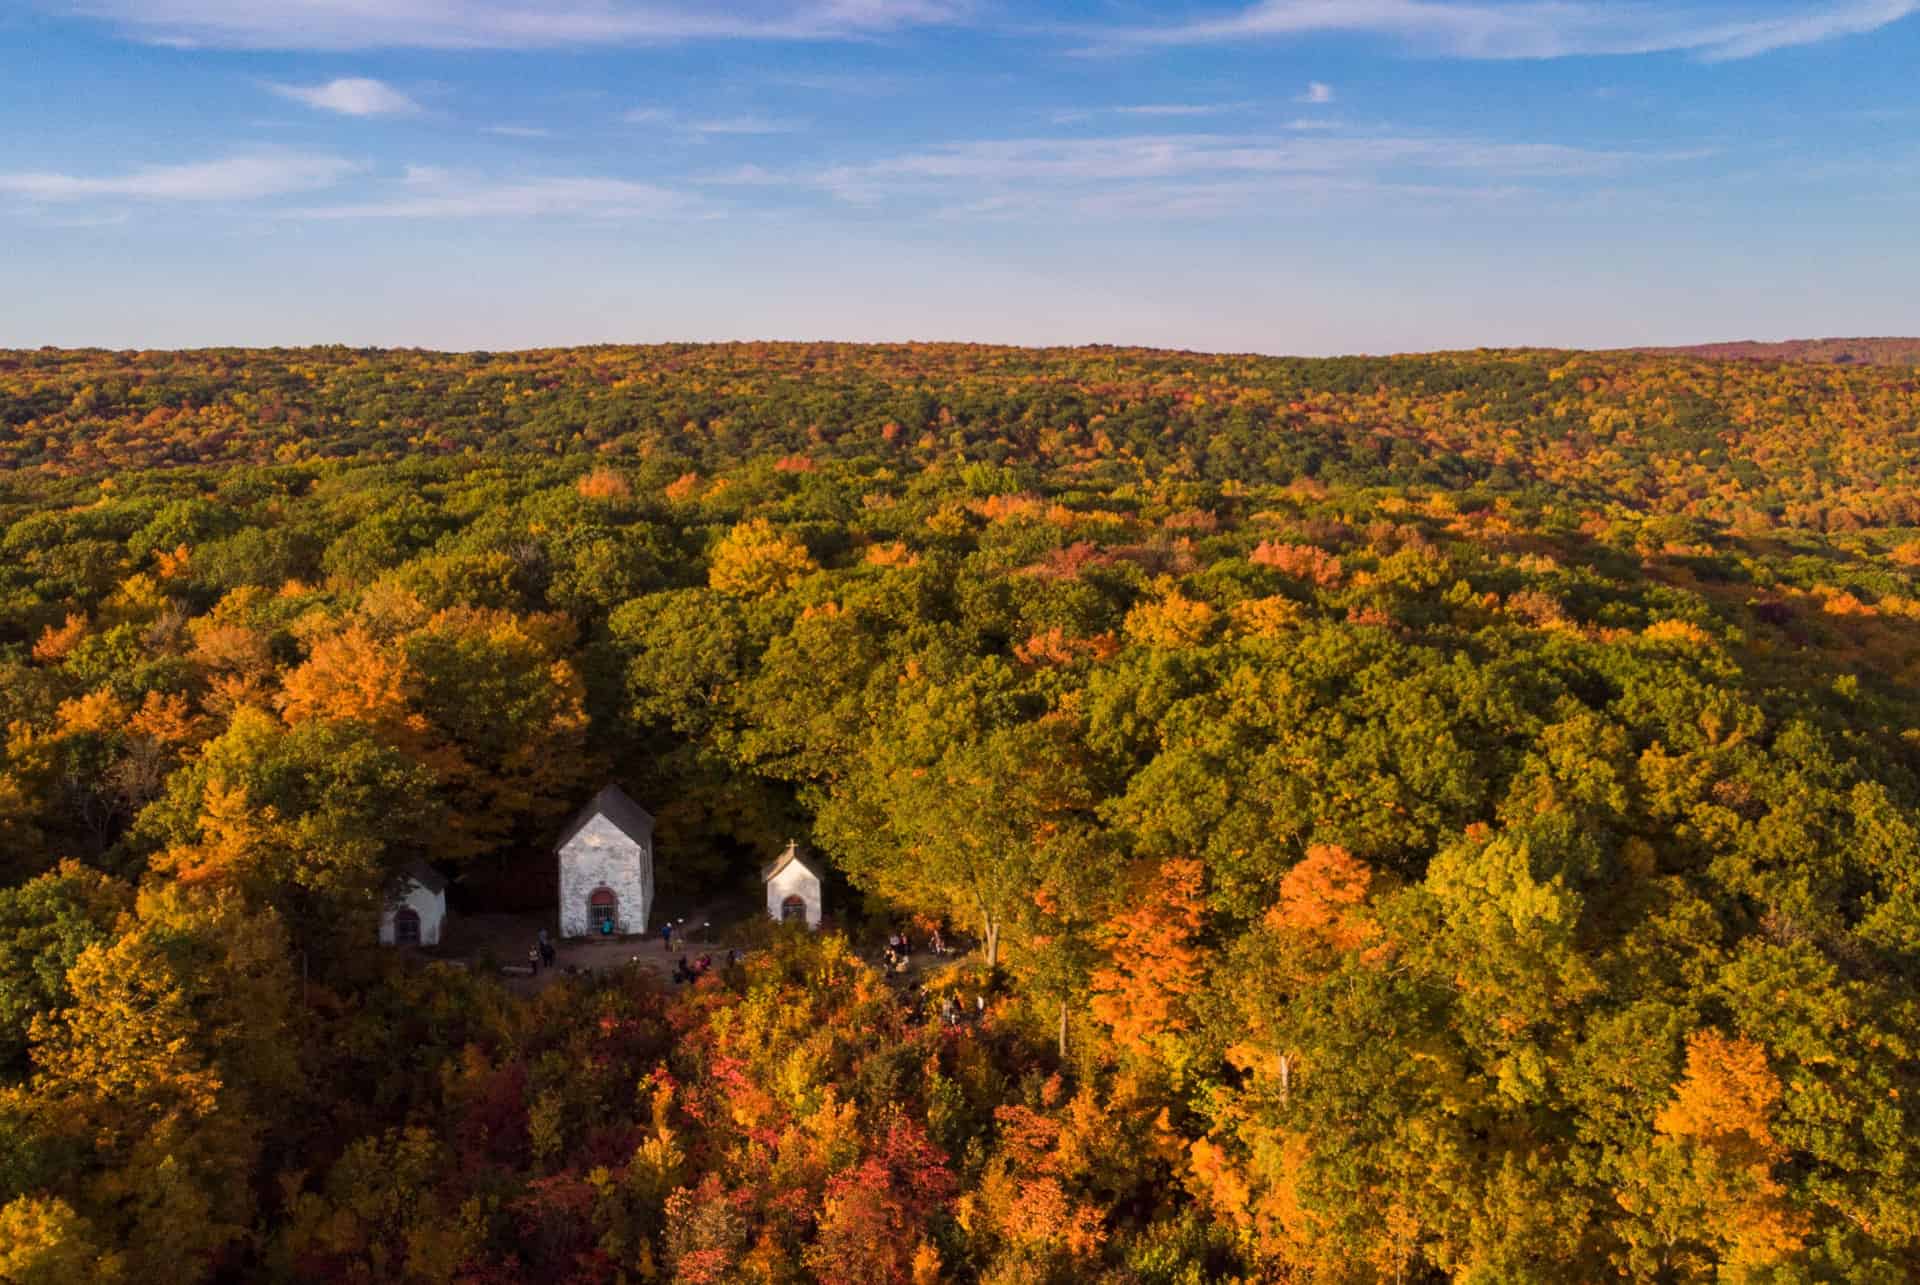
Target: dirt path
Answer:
[[500, 941], [504, 939]]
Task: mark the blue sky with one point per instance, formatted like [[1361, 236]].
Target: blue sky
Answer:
[[1308, 176]]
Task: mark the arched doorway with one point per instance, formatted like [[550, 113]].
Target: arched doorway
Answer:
[[406, 926], [603, 912], [793, 910]]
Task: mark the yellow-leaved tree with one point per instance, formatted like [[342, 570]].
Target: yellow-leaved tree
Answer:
[[160, 1071], [755, 559], [44, 1242]]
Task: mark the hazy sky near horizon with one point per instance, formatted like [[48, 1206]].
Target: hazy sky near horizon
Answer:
[[1306, 176]]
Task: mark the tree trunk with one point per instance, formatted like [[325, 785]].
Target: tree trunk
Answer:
[[1063, 1028], [992, 943]]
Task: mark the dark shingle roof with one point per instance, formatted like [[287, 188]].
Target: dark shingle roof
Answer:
[[793, 853], [627, 816], [423, 874]]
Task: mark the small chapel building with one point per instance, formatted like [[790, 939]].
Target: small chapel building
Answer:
[[606, 868], [793, 888], [416, 907]]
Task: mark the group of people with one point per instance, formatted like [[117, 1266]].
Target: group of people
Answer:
[[693, 971], [541, 954], [954, 1011], [899, 956], [900, 949]]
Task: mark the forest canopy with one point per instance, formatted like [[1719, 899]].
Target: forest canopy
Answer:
[[1429, 818]]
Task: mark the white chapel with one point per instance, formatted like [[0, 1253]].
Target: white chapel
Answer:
[[793, 887], [606, 868]]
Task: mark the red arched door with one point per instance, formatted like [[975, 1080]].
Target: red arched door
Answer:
[[793, 910], [603, 911], [406, 926]]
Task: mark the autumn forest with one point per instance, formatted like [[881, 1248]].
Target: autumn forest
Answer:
[[1435, 818]]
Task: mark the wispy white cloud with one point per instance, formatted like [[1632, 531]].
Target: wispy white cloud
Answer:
[[1750, 38], [694, 127], [47, 216], [1509, 29], [1166, 111], [429, 192], [503, 24], [1221, 198], [519, 131], [1179, 109], [351, 96], [744, 125], [1153, 156], [242, 177], [1196, 174], [1317, 93], [747, 176], [864, 85]]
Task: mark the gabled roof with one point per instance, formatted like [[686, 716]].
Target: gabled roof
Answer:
[[612, 803], [794, 855], [421, 873]]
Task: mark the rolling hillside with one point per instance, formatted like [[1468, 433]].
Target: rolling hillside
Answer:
[[1839, 352]]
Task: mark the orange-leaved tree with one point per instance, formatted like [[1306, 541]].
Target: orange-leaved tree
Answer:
[[1715, 1159], [1156, 963]]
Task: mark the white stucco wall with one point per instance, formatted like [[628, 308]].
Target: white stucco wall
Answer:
[[429, 905], [795, 881], [601, 856]]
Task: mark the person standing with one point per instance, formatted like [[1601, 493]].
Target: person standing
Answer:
[[533, 959], [666, 936], [547, 951]]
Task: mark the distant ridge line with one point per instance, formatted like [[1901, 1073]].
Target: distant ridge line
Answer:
[[1837, 352], [1882, 351]]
